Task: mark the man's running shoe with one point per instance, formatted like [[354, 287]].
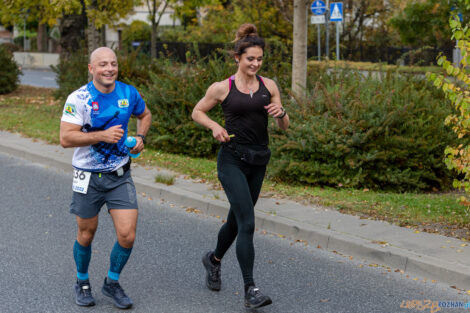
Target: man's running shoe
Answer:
[[115, 291], [255, 299], [213, 280], [83, 295]]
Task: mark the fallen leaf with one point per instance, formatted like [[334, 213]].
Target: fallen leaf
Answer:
[[193, 210], [458, 250], [417, 231], [463, 245], [379, 242], [324, 300], [373, 265]]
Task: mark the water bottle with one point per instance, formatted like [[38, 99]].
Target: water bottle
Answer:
[[130, 143]]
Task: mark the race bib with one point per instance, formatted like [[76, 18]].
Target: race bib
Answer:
[[81, 179]]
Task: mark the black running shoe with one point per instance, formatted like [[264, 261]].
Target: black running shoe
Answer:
[[213, 280], [83, 295], [255, 299], [115, 291]]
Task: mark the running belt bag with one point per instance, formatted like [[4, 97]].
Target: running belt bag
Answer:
[[253, 155]]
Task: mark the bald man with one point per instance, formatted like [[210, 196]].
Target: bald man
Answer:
[[94, 122]]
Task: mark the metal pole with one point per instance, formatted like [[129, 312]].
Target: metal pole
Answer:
[[327, 19], [337, 41], [319, 42]]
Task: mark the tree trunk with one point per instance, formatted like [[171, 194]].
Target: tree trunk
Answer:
[[103, 36], [93, 34], [93, 37], [153, 40], [72, 31], [299, 58], [42, 38]]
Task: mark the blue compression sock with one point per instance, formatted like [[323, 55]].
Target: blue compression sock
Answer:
[[82, 256], [119, 257]]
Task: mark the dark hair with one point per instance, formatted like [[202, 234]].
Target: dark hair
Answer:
[[246, 37]]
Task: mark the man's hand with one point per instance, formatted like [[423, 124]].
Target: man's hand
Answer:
[[139, 146], [113, 134]]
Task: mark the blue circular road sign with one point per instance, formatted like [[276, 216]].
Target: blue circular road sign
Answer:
[[318, 7]]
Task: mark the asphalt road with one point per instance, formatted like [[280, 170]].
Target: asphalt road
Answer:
[[164, 273], [38, 78]]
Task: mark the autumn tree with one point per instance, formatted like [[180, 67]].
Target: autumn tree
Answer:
[[455, 85], [424, 23], [17, 12], [99, 13]]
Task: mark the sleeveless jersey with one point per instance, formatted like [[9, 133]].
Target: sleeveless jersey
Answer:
[[245, 116], [96, 111]]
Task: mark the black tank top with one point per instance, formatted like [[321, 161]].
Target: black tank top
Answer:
[[245, 116]]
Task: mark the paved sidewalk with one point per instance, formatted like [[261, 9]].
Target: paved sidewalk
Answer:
[[430, 256]]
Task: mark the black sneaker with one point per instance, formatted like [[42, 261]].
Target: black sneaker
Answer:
[[213, 280], [83, 295], [115, 291], [255, 299]]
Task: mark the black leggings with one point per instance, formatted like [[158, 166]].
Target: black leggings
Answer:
[[242, 184]]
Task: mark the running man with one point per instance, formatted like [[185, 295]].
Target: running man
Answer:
[[94, 121]]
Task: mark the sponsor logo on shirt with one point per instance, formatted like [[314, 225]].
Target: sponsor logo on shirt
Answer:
[[123, 103], [70, 109], [95, 106]]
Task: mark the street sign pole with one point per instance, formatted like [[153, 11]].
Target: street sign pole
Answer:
[[337, 17], [327, 18], [337, 41], [319, 42], [319, 17]]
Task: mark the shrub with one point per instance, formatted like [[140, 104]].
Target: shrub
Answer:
[[72, 73], [356, 131], [137, 31], [455, 86], [9, 71], [171, 97]]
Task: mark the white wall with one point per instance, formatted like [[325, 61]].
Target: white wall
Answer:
[[140, 14]]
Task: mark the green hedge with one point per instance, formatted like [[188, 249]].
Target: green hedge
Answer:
[[171, 97], [9, 71], [383, 133]]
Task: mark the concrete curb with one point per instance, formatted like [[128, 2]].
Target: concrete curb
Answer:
[[421, 265]]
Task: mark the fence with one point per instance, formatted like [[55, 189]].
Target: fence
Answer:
[[364, 53]]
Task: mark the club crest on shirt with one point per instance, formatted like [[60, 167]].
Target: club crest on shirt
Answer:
[[123, 103], [95, 106], [70, 109]]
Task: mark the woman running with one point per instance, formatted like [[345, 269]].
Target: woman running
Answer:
[[246, 100]]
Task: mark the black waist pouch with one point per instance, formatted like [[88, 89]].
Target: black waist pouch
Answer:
[[253, 155]]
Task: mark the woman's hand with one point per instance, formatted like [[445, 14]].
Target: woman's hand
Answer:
[[220, 133], [274, 109]]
